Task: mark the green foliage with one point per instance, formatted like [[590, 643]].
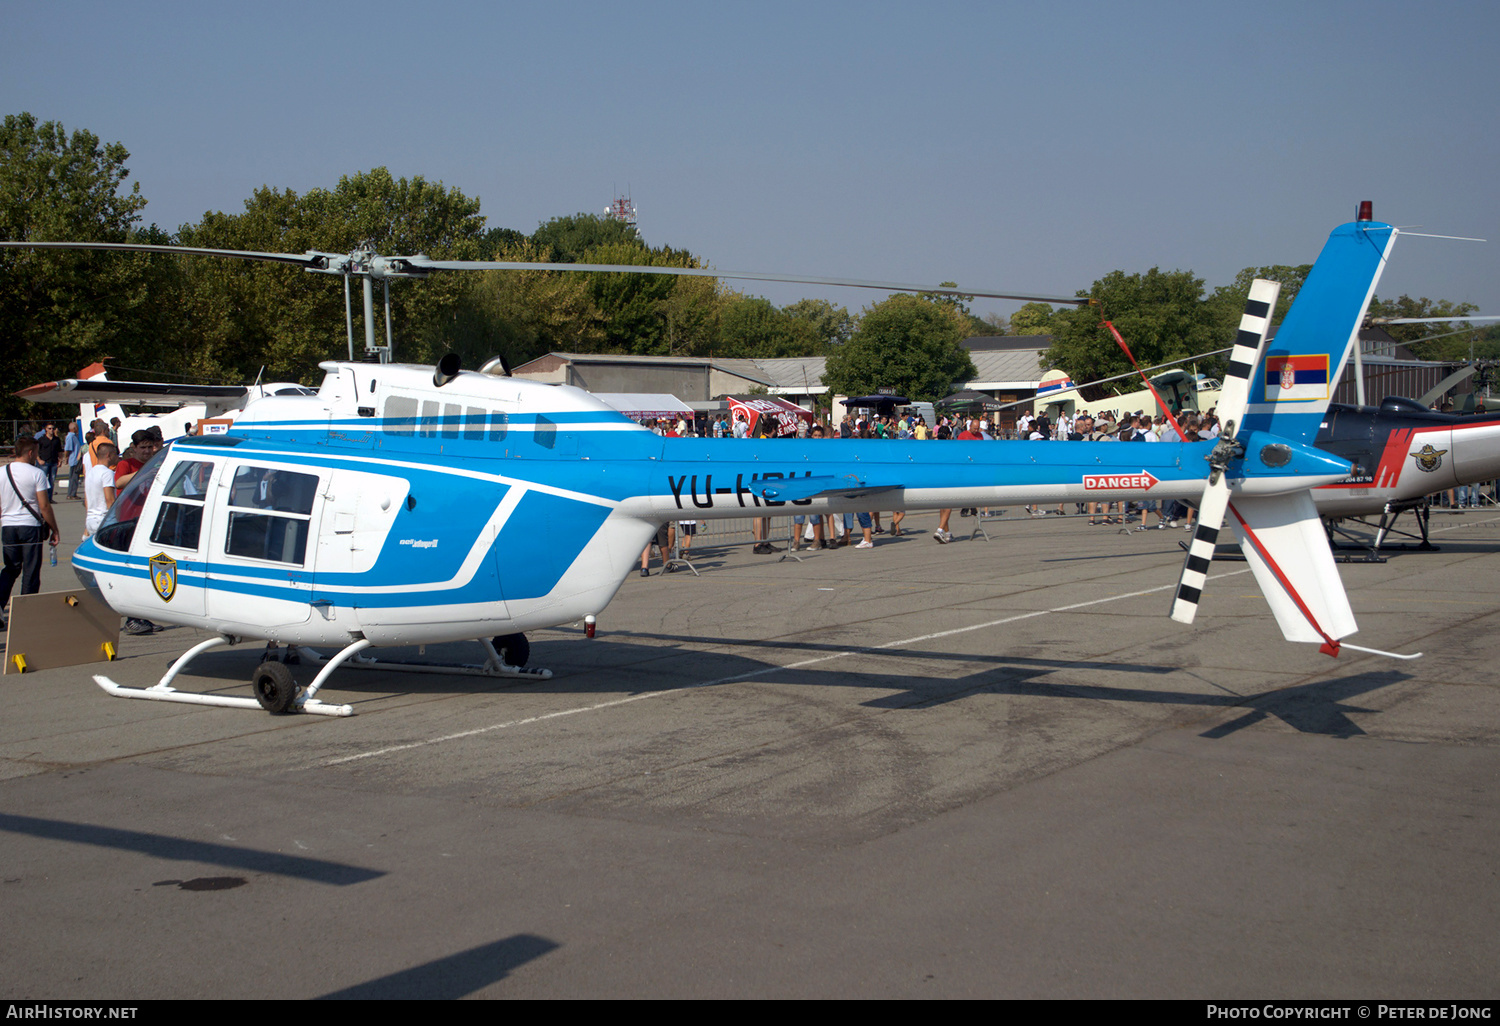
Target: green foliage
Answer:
[[499, 240], [752, 326], [972, 325], [61, 310], [1161, 316], [831, 325], [566, 240], [242, 316], [1418, 337], [1032, 319], [1228, 301], [653, 314], [909, 343], [522, 314]]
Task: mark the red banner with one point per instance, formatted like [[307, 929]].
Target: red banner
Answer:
[[768, 417]]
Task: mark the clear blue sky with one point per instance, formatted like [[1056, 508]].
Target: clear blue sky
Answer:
[[1020, 146]]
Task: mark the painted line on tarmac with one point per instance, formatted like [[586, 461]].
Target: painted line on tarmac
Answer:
[[763, 672], [1469, 523]]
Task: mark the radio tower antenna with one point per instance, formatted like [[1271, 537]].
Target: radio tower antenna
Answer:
[[622, 209]]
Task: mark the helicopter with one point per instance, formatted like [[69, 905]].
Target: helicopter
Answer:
[[1402, 453], [404, 504]]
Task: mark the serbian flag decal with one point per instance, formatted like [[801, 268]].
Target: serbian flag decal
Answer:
[[1297, 378]]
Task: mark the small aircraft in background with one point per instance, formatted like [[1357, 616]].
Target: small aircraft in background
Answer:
[[1179, 389], [404, 505], [100, 398]]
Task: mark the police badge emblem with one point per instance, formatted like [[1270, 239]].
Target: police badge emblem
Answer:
[[1428, 459], [164, 575]]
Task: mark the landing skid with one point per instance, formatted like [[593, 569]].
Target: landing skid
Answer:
[[1421, 512], [277, 693]]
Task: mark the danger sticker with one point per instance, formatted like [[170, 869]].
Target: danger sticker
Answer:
[[1141, 482]]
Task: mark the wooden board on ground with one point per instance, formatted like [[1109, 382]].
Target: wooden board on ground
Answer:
[[60, 628]]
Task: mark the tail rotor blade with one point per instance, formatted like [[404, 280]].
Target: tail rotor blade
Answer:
[[1201, 552], [1249, 347]]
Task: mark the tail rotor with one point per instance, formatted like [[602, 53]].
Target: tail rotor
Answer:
[[1249, 346]]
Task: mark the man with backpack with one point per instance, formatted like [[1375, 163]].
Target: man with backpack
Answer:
[[24, 512]]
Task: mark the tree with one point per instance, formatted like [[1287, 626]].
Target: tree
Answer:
[[565, 240], [654, 314], [61, 310], [1032, 319], [1160, 314], [1419, 336], [753, 326], [831, 325], [960, 304], [909, 343], [522, 314], [244, 315], [1228, 301]]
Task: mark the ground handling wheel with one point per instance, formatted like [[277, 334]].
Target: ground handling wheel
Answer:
[[274, 688], [513, 648]]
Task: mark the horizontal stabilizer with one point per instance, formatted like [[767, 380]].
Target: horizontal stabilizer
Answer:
[[795, 489], [1282, 538]]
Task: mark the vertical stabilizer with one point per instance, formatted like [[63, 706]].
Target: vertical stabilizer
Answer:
[[1283, 541], [1291, 389]]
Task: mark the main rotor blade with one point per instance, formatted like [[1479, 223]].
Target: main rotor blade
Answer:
[[300, 260], [1433, 319], [698, 272], [1436, 392], [403, 266]]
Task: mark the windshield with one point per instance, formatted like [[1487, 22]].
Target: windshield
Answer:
[[118, 526]]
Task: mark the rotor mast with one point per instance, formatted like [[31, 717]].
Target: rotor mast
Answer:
[[364, 264]]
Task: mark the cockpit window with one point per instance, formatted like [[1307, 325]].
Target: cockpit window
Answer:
[[118, 527], [179, 523], [189, 480]]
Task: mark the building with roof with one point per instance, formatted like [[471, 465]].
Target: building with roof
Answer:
[[692, 379], [1008, 367]]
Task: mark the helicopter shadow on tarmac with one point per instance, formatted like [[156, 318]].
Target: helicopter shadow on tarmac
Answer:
[[606, 667]]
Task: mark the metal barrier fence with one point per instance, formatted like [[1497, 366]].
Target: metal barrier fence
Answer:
[[738, 530]]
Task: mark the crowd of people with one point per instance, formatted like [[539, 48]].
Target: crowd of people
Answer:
[[827, 531], [28, 522]]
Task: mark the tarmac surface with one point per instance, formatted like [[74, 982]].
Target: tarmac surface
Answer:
[[983, 769]]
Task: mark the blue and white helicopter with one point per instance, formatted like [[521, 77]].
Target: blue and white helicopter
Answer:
[[405, 505]]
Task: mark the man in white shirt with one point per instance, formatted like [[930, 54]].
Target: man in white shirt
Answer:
[[24, 512], [99, 488]]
